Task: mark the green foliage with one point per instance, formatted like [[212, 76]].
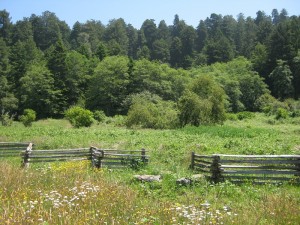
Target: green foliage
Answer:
[[99, 116], [79, 117], [28, 117], [6, 119], [147, 113], [108, 86], [281, 113], [245, 115], [281, 78], [246, 56], [203, 103], [38, 91]]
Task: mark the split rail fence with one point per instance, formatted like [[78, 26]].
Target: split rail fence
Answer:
[[248, 168], [110, 158], [14, 149]]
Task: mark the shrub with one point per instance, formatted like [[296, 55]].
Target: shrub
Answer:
[[79, 117], [202, 103], [147, 114], [28, 117], [231, 116], [281, 113], [245, 115], [6, 120], [99, 116]]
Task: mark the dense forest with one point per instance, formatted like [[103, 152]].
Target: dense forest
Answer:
[[176, 71]]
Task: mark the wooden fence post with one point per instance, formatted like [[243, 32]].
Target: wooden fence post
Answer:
[[92, 157], [298, 167], [25, 163], [193, 161], [100, 156], [143, 158], [216, 175]]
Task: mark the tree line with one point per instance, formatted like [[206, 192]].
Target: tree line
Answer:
[[47, 66]]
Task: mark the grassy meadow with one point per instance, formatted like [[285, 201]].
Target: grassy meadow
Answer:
[[75, 193]]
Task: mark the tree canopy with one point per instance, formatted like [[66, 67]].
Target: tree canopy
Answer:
[[225, 63]]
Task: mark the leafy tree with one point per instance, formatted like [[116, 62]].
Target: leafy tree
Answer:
[[176, 53], [56, 62], [163, 31], [95, 31], [116, 37], [150, 32], [240, 34], [188, 36], [202, 36], [108, 86], [219, 50], [150, 111], [132, 34], [101, 52], [48, 29], [23, 54], [281, 78], [4, 59], [259, 58], [160, 50], [28, 117], [22, 31], [283, 43], [38, 92], [275, 16], [296, 74], [252, 87], [8, 102], [5, 26], [249, 42], [232, 89], [228, 28], [79, 117], [76, 77], [203, 103], [76, 30], [143, 53]]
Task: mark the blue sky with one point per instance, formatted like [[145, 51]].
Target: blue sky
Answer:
[[136, 12]]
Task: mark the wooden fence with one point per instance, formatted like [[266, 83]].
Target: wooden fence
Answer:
[[114, 158], [99, 158], [42, 156], [13, 149], [249, 168]]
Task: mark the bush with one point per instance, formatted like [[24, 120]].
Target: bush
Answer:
[[147, 114], [99, 116], [28, 117], [6, 120], [231, 116], [245, 115], [202, 103], [281, 113], [79, 117]]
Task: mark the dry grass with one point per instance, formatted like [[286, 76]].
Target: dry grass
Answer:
[[69, 193]]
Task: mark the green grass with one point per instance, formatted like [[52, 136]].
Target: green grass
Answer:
[[42, 194]]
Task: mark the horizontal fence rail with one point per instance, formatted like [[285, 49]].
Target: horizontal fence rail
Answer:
[[110, 158], [13, 149], [248, 168], [113, 158]]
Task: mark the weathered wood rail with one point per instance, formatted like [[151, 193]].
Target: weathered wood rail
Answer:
[[13, 149], [38, 156], [111, 158], [114, 158], [248, 168]]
